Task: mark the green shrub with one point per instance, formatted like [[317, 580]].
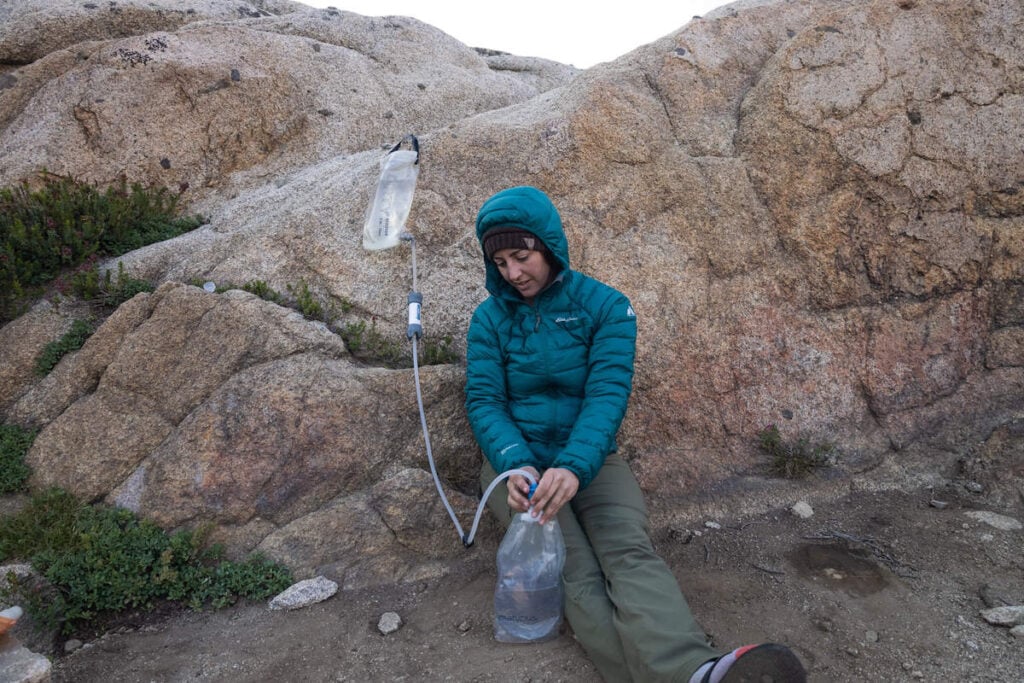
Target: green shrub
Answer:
[[367, 343], [792, 460], [72, 340], [264, 291], [438, 353], [307, 303], [46, 524], [363, 341], [14, 444], [100, 559], [87, 283], [62, 223]]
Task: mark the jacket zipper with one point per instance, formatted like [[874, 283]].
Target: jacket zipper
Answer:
[[546, 355]]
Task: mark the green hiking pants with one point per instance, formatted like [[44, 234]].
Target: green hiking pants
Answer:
[[621, 599]]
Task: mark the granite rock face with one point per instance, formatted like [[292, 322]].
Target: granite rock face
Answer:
[[211, 97], [814, 207]]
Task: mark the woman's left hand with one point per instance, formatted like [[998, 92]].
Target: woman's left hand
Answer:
[[556, 488]]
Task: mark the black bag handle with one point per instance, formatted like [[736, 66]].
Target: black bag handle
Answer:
[[411, 139]]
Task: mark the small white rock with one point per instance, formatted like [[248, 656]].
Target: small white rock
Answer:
[[998, 521], [712, 525], [389, 622], [1007, 615], [304, 593], [12, 613], [24, 664], [210, 287], [1017, 631], [803, 510]]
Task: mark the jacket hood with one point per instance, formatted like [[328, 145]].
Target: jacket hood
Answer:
[[526, 208]]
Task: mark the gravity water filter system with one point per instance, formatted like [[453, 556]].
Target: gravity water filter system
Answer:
[[528, 595], [384, 229]]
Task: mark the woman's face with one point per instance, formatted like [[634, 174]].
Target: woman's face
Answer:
[[526, 270]]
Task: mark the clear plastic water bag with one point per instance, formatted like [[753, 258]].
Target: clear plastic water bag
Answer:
[[385, 220], [528, 596]]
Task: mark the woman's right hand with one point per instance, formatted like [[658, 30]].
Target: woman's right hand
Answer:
[[519, 489]]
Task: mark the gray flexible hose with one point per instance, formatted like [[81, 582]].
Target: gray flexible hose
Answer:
[[415, 330]]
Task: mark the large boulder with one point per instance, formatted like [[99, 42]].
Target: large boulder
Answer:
[[223, 103], [196, 408], [32, 29], [813, 206]]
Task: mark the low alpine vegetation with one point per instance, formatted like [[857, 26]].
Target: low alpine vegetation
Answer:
[[56, 223], [89, 284], [793, 460], [14, 445], [98, 559], [72, 340]]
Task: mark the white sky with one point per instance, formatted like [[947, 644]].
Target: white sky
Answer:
[[566, 32]]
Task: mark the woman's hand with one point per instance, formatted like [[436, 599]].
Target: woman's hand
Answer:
[[519, 489], [556, 488]]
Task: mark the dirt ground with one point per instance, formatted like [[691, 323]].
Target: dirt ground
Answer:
[[872, 587]]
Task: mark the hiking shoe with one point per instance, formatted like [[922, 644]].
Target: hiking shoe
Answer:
[[766, 663]]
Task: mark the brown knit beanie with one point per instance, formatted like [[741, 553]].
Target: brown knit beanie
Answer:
[[510, 237]]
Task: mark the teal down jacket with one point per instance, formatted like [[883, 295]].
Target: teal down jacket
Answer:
[[547, 384]]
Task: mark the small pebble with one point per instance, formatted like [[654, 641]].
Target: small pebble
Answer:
[[974, 487], [209, 287], [803, 510], [938, 504], [389, 623], [465, 626], [1017, 632], [871, 636], [712, 525], [72, 645]]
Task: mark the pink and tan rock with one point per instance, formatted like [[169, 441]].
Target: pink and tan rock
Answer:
[[815, 208]]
